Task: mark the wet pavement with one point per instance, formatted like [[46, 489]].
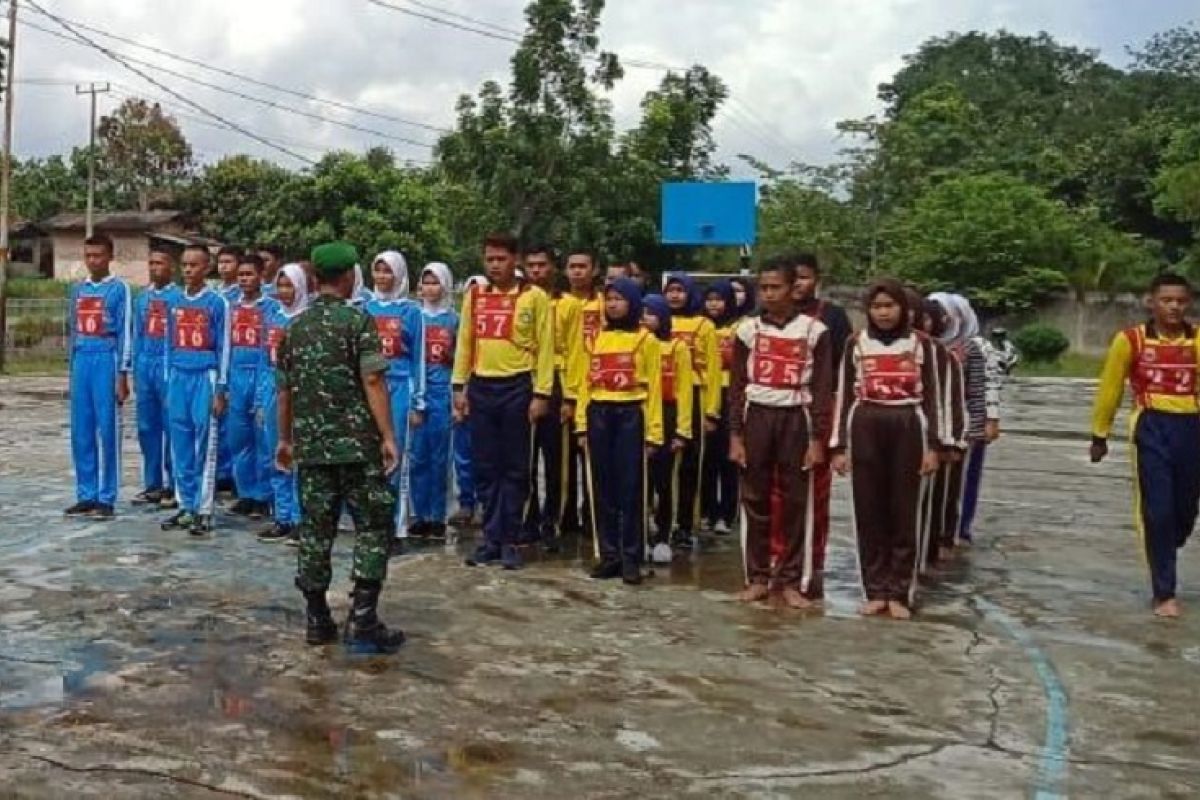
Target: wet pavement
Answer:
[[137, 663]]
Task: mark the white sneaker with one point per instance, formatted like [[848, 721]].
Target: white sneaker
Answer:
[[721, 528], [661, 553]]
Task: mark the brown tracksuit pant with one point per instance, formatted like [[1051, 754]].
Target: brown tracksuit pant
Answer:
[[886, 447], [776, 442]]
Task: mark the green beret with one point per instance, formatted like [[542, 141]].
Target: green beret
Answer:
[[333, 258]]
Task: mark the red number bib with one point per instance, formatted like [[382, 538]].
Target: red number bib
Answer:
[[891, 378], [779, 363], [89, 316], [439, 347], [274, 337], [192, 329], [156, 319], [726, 348], [668, 376], [247, 327], [592, 325], [494, 315], [689, 339], [1167, 369], [391, 335], [613, 372]]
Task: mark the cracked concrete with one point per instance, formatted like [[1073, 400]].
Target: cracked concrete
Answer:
[[135, 663]]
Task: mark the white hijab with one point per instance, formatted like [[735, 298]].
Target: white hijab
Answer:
[[399, 268], [299, 278], [944, 299], [968, 320], [442, 273]]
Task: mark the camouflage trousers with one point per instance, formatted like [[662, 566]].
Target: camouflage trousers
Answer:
[[324, 490]]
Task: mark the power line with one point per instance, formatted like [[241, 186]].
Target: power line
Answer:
[[191, 103], [127, 60], [248, 79]]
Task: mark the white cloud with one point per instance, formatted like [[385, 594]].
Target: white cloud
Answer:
[[796, 67]]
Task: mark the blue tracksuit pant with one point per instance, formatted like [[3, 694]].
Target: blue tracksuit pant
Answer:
[[464, 469], [972, 484], [1167, 460], [193, 437], [94, 445], [501, 449], [224, 451], [150, 382], [430, 456], [616, 438], [400, 393], [244, 433], [282, 485]]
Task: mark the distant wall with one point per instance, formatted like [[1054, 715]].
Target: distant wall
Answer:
[[1089, 324]]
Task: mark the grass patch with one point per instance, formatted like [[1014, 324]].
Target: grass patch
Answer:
[[1072, 365], [36, 366]]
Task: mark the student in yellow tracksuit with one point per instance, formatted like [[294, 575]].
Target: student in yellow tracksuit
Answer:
[[718, 475], [619, 417], [1159, 360], [503, 378], [586, 323], [678, 383], [697, 331]]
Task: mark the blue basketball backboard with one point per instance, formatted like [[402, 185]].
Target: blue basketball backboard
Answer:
[[709, 213]]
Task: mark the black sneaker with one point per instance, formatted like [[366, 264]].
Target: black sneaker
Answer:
[[261, 509], [83, 508], [150, 497], [202, 526], [244, 507], [606, 570], [631, 575], [293, 539], [180, 522], [681, 540], [483, 556], [276, 534], [418, 530], [103, 512], [511, 559], [226, 486], [463, 517], [435, 530], [168, 501], [396, 548]]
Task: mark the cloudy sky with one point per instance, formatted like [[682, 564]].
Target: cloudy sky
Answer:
[[794, 67]]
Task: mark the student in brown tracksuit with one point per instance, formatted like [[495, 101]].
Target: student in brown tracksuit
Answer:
[[779, 410], [953, 423], [886, 428]]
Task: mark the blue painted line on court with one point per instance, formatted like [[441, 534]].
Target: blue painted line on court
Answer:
[[1052, 770]]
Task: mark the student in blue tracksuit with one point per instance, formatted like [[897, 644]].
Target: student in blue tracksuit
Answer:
[[100, 324], [247, 362], [150, 379], [464, 474], [431, 442], [226, 284], [401, 328], [272, 260], [198, 338], [360, 295], [291, 292]]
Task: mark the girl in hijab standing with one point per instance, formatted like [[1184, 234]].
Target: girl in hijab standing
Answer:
[[401, 328], [719, 477], [291, 292], [886, 437], [618, 418], [431, 442]]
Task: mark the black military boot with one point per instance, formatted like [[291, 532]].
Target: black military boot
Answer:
[[321, 627], [365, 633]]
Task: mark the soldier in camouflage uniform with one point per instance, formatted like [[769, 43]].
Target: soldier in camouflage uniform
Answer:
[[334, 423]]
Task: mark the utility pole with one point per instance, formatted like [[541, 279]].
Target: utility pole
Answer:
[[6, 173], [93, 89]]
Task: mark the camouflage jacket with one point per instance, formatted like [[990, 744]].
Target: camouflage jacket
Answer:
[[322, 360]]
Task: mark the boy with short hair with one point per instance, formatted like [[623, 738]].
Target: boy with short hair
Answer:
[[1159, 359], [150, 379], [100, 318]]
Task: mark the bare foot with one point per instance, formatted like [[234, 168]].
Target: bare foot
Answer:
[[897, 610], [873, 608], [793, 599], [753, 593], [945, 554], [1169, 609]]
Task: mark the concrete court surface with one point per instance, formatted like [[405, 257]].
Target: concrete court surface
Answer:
[[136, 663]]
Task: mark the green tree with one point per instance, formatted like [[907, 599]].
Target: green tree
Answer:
[[142, 151]]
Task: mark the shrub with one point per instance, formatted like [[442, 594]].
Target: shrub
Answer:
[[1041, 344], [36, 288]]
